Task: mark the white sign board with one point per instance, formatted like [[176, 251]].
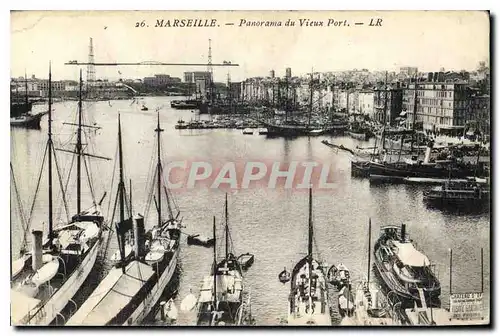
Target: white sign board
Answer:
[[466, 306]]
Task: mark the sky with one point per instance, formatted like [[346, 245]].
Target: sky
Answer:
[[428, 40]]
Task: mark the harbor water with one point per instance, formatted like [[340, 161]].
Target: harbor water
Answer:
[[270, 223]]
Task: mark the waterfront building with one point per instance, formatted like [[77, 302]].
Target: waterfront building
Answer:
[[441, 106], [365, 102], [195, 76], [393, 108], [160, 80]]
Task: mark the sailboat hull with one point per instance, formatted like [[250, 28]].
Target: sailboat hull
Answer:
[[303, 311], [47, 313], [146, 306]]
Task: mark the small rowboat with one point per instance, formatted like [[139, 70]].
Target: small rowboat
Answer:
[[284, 276], [46, 272], [154, 257], [339, 276], [246, 260], [189, 302], [171, 310], [91, 231], [200, 240]]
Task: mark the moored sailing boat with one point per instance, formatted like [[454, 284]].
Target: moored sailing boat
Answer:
[[21, 114], [308, 293], [221, 295], [370, 305], [133, 287], [47, 278]]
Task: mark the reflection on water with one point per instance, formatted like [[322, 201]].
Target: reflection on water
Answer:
[[270, 223]]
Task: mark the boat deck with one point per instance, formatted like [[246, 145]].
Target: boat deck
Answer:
[[20, 306], [362, 317], [113, 294], [229, 288], [311, 309]]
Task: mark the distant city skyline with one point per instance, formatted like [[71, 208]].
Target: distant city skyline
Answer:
[[426, 40]]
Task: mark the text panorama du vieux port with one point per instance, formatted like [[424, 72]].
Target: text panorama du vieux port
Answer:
[[248, 23]]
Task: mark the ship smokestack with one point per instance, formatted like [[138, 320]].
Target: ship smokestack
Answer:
[[139, 236], [37, 250], [403, 232], [162, 311], [428, 151]]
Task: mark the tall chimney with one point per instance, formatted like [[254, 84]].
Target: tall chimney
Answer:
[[37, 250], [441, 76], [436, 75], [403, 232], [139, 236]]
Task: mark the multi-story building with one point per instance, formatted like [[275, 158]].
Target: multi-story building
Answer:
[[387, 103], [441, 106], [481, 113], [160, 80], [408, 71], [194, 76], [365, 102]]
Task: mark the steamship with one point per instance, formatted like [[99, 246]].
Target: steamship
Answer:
[[146, 265], [403, 269]]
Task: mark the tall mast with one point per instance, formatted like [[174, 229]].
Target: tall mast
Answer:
[[414, 117], [79, 151], [50, 145], [210, 72], [121, 193], [227, 231], [159, 169], [310, 242], [310, 101], [385, 111], [369, 248], [121, 184], [26, 89], [215, 267], [287, 106], [130, 202], [333, 100]]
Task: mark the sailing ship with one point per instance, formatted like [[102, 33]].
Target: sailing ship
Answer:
[[370, 305], [291, 128], [45, 279], [21, 115], [403, 269], [221, 295], [308, 300], [378, 168], [132, 289], [359, 130], [19, 107]]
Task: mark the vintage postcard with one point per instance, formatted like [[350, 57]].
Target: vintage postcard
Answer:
[[250, 168]]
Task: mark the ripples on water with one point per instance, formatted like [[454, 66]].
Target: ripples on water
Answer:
[[271, 224]]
